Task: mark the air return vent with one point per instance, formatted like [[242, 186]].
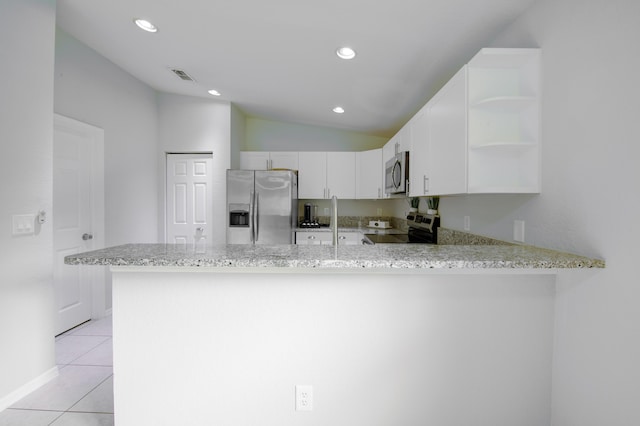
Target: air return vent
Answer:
[[183, 75]]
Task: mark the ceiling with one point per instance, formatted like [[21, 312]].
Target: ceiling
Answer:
[[276, 59]]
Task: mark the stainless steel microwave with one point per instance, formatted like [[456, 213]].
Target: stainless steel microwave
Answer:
[[396, 174]]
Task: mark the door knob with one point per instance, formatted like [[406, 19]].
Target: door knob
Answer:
[[86, 237]]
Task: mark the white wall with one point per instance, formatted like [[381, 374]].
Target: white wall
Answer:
[[189, 124], [91, 89], [379, 348], [238, 136], [267, 135], [589, 202], [26, 123]]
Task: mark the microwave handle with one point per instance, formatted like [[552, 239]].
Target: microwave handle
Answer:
[[393, 174]]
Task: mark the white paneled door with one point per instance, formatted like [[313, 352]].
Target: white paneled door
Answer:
[[77, 220], [189, 198]]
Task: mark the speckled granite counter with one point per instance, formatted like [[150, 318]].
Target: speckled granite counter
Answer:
[[393, 256]]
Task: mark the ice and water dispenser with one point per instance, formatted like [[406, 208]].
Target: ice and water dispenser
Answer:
[[239, 215]]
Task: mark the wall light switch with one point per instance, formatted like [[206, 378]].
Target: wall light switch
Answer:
[[23, 224], [467, 223]]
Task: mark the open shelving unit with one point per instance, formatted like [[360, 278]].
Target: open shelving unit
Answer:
[[504, 121]]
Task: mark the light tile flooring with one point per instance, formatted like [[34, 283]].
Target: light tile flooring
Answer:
[[82, 394]]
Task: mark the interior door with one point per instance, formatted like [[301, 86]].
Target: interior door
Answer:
[[189, 198], [76, 198]]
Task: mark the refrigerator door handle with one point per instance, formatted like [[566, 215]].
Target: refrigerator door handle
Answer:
[[257, 216], [251, 216]]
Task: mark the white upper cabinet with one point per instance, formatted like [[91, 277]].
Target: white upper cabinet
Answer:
[[312, 175], [369, 174], [419, 157], [400, 142], [325, 174], [341, 174], [479, 134], [504, 121], [254, 160], [263, 160], [482, 129], [284, 160], [446, 125]]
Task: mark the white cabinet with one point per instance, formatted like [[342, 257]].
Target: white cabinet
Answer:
[[369, 174], [325, 174], [419, 159], [482, 129], [504, 121], [312, 175], [438, 155], [400, 142], [341, 174], [264, 160], [313, 238], [326, 238], [254, 160], [284, 160]]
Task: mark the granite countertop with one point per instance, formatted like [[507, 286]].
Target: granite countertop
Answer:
[[385, 256]]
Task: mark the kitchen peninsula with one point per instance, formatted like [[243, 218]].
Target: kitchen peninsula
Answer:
[[384, 334]]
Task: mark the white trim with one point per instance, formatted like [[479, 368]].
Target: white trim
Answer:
[[28, 387], [98, 275]]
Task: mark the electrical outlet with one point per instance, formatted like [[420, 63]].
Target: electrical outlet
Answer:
[[378, 211], [518, 231], [304, 398], [326, 211], [467, 223]]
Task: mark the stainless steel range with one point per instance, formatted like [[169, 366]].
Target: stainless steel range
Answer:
[[423, 228]]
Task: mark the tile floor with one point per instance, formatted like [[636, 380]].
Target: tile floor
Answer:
[[82, 394]]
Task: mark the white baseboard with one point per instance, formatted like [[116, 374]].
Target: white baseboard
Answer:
[[27, 388]]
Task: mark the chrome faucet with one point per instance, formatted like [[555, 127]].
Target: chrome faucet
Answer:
[[334, 220]]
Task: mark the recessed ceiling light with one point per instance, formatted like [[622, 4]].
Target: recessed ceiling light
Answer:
[[213, 92], [145, 25], [338, 110], [346, 53]]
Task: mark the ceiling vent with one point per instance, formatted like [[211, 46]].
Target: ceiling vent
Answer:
[[183, 75]]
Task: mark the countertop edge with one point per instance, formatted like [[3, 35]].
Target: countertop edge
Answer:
[[394, 257]]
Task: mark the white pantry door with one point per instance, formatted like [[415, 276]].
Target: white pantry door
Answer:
[[77, 227], [189, 198]]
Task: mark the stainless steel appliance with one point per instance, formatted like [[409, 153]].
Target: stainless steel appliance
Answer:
[[261, 206], [396, 174], [423, 228], [310, 219]]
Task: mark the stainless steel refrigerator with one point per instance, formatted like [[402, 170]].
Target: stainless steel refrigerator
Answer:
[[262, 206]]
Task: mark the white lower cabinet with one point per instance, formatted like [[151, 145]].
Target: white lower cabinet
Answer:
[[326, 238]]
